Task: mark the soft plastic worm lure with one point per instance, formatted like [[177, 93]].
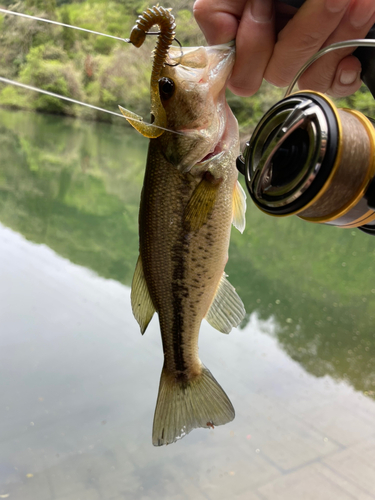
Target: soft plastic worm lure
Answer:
[[165, 20]]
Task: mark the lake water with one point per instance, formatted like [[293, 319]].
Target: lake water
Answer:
[[78, 382]]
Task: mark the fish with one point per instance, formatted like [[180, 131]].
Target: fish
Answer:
[[190, 198]]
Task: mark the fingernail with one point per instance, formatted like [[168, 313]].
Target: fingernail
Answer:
[[336, 5], [361, 13], [348, 77], [261, 10]]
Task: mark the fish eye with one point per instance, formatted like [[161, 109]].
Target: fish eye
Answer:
[[166, 88]]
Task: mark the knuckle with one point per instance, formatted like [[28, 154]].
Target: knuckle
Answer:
[[277, 77], [243, 90], [201, 10], [244, 85], [308, 42]]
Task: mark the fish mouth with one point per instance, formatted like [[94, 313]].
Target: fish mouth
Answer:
[[226, 139], [218, 150]]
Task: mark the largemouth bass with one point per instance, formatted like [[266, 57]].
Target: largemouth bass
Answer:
[[189, 200]]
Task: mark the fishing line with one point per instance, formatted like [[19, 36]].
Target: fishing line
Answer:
[[74, 101], [60, 24], [57, 23]]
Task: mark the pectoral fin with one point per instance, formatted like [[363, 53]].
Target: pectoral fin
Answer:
[[239, 207], [227, 309], [201, 202], [142, 306]]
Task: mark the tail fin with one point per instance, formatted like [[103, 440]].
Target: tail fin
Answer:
[[185, 405]]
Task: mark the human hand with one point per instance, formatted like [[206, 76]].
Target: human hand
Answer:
[[274, 40]]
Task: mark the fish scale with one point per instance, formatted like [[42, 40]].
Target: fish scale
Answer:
[[165, 195]]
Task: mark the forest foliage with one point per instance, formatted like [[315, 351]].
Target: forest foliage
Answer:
[[97, 70], [86, 67]]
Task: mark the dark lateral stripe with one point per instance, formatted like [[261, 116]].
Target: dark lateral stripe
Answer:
[[179, 291]]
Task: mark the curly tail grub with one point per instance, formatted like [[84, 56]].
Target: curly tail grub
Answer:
[[165, 20]]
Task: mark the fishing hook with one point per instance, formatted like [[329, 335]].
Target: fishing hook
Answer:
[[127, 40], [181, 55]]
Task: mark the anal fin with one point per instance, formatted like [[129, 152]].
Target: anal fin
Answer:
[[227, 309], [142, 306]]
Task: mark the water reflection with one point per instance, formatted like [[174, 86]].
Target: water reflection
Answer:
[[75, 187], [317, 283], [78, 387]]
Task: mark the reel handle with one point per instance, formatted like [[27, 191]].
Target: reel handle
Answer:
[[365, 55]]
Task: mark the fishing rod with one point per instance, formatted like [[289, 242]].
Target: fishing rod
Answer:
[[134, 118], [306, 157]]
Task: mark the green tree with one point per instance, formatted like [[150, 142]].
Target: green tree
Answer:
[[68, 34], [48, 6]]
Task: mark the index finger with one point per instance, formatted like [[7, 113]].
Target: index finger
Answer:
[[218, 20], [251, 24]]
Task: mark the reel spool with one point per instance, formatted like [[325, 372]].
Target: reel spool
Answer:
[[308, 158]]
